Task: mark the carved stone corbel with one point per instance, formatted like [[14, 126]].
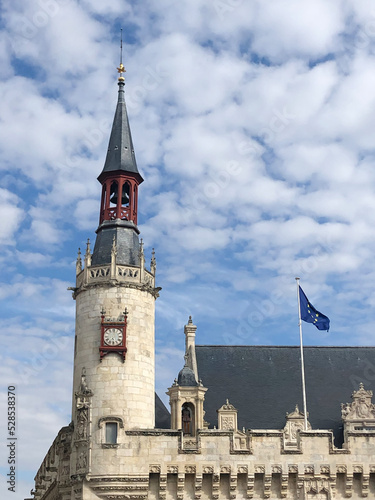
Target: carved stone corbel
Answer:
[[215, 486], [233, 485], [198, 486], [284, 485], [163, 487], [349, 486], [267, 486], [180, 486], [365, 485], [250, 486]]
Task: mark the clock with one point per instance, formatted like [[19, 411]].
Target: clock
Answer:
[[113, 336]]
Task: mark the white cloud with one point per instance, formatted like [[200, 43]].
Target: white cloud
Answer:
[[300, 28], [11, 216], [34, 259], [253, 127]]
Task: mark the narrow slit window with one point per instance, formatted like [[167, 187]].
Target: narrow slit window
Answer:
[[111, 433]]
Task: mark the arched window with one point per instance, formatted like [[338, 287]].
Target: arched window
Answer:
[[187, 418], [125, 194], [113, 194]]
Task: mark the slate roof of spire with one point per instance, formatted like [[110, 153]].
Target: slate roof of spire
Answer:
[[264, 382], [120, 154]]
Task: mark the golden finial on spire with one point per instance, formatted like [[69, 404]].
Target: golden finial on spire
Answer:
[[121, 69]]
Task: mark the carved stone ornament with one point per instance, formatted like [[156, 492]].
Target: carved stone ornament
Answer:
[[66, 452], [309, 469], [208, 469], [83, 394], [82, 461], [358, 469], [316, 486], [155, 469], [225, 469], [78, 493], [65, 471], [242, 469], [227, 407], [276, 469], [259, 469], [293, 469], [190, 469], [172, 469], [227, 417], [295, 422], [227, 423], [82, 421], [325, 469], [341, 469], [372, 469], [361, 407]]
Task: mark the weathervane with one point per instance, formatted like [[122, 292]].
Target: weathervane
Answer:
[[121, 69]]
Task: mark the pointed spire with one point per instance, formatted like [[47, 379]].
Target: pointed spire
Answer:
[[88, 254], [141, 254], [120, 181], [189, 331], [79, 262], [121, 69], [120, 154], [153, 262]]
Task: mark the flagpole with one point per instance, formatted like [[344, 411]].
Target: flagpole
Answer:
[[302, 360]]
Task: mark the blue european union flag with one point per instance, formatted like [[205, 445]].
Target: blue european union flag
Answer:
[[310, 314]]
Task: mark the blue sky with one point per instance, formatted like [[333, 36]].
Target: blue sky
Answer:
[[253, 125]]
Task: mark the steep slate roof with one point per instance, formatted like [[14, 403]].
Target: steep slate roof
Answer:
[[264, 382], [120, 155], [162, 415], [126, 237]]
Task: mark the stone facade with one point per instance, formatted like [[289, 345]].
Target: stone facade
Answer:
[[112, 450], [200, 463], [213, 464]]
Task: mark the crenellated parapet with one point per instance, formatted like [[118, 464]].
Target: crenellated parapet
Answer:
[[156, 463], [161, 465]]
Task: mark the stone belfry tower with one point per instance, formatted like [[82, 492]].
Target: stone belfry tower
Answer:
[[113, 385]]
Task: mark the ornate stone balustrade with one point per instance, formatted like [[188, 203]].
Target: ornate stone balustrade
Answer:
[[92, 275], [116, 274]]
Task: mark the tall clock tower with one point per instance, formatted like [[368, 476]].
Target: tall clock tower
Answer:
[[115, 294]]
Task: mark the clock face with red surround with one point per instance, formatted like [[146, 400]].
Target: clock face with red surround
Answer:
[[113, 336]]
